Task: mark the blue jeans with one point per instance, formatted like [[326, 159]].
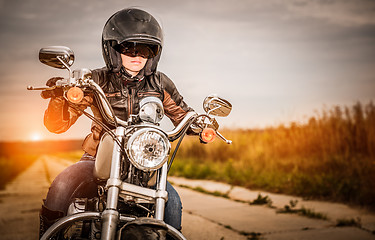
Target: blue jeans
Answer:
[[78, 181]]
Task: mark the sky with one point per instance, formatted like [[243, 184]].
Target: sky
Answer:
[[275, 61]]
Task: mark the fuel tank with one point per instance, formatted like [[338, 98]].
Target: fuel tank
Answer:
[[103, 160]]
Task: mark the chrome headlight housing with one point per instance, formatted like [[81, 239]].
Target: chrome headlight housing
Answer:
[[151, 110], [148, 149]]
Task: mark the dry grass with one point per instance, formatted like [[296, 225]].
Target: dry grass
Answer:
[[332, 156]]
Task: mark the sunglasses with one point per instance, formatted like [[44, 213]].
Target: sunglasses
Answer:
[[133, 49]]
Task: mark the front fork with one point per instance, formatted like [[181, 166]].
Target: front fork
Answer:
[[110, 216], [161, 193]]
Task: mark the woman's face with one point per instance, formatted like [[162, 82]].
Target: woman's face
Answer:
[[133, 64]]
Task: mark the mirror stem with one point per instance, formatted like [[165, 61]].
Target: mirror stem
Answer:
[[67, 67]]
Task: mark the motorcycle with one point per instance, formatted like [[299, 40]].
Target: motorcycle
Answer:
[[131, 162]]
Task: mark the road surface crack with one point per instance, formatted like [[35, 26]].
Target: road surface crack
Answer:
[[249, 235]]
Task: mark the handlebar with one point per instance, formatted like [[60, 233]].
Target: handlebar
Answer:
[[223, 138], [108, 114]]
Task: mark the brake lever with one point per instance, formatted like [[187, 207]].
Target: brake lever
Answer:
[[40, 88], [223, 138], [60, 83]]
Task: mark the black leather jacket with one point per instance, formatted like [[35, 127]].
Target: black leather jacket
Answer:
[[124, 94]]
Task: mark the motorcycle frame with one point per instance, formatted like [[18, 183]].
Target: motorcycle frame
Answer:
[[115, 187]]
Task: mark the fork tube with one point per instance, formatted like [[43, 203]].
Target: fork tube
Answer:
[[162, 193], [110, 215]]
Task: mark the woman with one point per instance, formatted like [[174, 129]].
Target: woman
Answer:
[[132, 42]]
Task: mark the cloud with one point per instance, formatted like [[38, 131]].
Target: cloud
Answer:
[[267, 57], [344, 13]]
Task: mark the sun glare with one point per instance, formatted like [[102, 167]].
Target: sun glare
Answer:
[[36, 137]]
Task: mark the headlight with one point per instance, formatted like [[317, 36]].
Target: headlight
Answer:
[[148, 149]]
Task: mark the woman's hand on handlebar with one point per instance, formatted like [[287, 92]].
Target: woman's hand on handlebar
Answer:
[[55, 91]]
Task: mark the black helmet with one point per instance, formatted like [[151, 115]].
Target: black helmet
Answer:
[[135, 26]]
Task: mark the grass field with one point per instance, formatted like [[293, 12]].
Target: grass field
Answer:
[[331, 157]]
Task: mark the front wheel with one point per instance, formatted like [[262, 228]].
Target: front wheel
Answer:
[[149, 229], [136, 232]]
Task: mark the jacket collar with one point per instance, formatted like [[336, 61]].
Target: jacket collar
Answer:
[[125, 76]]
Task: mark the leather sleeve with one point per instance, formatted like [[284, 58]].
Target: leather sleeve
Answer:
[[174, 106], [59, 116]]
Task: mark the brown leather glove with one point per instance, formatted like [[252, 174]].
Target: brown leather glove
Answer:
[[54, 92], [58, 109]]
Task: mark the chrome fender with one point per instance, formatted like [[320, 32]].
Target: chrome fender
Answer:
[[155, 223]]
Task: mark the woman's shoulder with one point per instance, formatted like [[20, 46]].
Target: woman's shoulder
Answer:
[[163, 79], [101, 75], [99, 72]]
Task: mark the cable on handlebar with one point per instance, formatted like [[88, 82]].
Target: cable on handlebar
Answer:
[[183, 133], [106, 128], [111, 109]]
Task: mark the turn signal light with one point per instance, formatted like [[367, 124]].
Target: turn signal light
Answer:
[[208, 135], [75, 95]]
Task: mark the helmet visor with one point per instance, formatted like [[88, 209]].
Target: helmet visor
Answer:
[[134, 49]]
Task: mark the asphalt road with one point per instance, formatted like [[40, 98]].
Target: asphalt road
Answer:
[[204, 216]]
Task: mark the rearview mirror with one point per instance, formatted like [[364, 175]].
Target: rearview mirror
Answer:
[[216, 106], [57, 57]]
